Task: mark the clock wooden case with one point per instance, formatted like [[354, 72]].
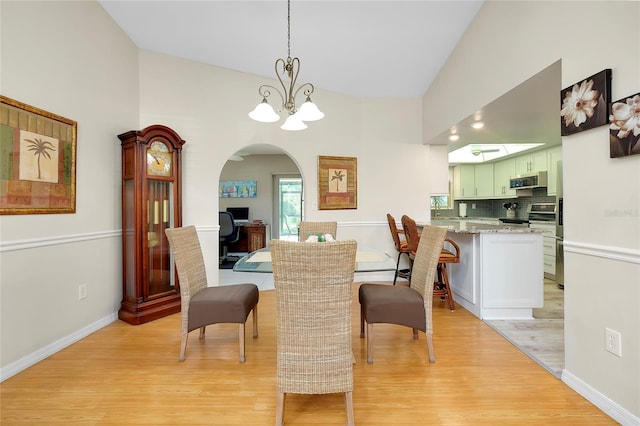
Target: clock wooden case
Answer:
[[151, 203]]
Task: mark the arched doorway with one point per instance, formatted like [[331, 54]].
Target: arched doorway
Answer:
[[278, 198]]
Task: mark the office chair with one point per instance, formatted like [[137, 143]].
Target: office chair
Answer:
[[229, 233]]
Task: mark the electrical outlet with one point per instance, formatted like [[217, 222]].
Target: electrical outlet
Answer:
[[613, 342], [473, 205], [82, 291]]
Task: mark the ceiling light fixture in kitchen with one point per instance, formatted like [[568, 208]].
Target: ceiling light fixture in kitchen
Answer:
[[478, 153], [477, 124], [308, 111]]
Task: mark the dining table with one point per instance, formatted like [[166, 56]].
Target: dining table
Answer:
[[367, 260]]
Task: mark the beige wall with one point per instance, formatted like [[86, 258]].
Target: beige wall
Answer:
[[507, 43], [53, 57]]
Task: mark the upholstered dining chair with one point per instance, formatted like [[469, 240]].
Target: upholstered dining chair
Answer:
[[313, 284], [408, 306], [314, 228], [402, 247], [441, 284], [202, 305]]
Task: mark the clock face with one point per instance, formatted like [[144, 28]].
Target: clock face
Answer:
[[158, 159]]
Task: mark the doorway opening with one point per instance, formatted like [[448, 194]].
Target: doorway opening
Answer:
[[287, 206]]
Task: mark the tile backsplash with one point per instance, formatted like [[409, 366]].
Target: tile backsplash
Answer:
[[493, 208]]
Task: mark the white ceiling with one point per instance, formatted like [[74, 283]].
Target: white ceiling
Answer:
[[370, 49], [361, 48]]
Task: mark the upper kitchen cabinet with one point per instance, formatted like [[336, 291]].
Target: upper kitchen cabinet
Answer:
[[502, 171], [472, 181], [553, 156], [531, 163]]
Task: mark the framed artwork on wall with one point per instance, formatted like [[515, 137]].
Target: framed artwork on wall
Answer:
[[337, 183], [238, 189], [586, 104], [37, 160], [624, 127]]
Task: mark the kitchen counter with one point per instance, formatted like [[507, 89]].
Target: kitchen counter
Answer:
[[471, 227], [500, 274]]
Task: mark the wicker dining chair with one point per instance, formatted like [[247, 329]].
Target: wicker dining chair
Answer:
[[313, 298], [315, 228], [202, 305], [409, 306]]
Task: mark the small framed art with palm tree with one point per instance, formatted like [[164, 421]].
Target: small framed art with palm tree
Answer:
[[37, 160], [337, 183]]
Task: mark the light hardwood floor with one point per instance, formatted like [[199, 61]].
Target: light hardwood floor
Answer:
[[126, 374]]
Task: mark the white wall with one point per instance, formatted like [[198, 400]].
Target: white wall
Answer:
[[507, 43], [70, 59], [208, 107]]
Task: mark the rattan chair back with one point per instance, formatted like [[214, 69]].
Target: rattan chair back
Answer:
[[313, 283], [315, 228]]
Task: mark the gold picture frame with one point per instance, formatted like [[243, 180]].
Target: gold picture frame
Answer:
[[37, 160], [337, 183]]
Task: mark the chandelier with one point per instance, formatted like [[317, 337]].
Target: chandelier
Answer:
[[308, 111]]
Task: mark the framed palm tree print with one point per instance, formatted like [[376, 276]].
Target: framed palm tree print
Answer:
[[37, 160], [337, 183]]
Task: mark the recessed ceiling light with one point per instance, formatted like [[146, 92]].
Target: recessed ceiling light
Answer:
[[477, 125], [454, 137]]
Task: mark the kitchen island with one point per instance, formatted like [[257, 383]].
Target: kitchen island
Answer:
[[500, 274]]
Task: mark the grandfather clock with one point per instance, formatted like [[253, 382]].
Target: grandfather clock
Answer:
[[151, 203]]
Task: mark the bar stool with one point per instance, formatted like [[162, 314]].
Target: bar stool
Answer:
[[451, 254], [402, 247], [447, 255]]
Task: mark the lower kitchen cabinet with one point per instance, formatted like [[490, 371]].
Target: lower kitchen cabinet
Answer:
[[548, 246]]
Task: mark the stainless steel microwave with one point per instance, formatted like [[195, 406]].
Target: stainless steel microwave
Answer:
[[533, 180]]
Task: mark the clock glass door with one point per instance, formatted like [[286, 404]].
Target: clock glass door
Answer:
[[159, 217]]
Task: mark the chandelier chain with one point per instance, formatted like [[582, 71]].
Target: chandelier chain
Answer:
[[288, 30]]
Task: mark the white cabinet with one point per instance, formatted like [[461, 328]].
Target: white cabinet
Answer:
[[472, 181], [484, 180], [502, 171], [531, 163], [549, 247], [553, 156], [464, 182]]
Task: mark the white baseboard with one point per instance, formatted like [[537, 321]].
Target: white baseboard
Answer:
[[42, 353], [613, 410]]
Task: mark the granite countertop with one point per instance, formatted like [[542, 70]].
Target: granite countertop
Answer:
[[469, 227]]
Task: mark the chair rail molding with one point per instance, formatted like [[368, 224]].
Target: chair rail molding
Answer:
[[608, 252], [6, 246]]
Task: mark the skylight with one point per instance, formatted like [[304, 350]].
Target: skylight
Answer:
[[479, 153]]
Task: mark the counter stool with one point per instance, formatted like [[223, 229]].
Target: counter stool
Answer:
[[451, 254], [446, 256], [402, 247]]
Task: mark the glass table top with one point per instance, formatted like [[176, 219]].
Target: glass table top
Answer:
[[367, 260]]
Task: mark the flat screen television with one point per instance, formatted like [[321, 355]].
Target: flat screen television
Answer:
[[240, 214]]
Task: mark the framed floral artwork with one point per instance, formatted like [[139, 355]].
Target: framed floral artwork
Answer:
[[337, 183], [37, 160], [586, 104], [624, 127]]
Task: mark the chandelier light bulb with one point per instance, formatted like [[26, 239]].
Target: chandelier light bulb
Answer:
[[264, 112], [309, 111], [293, 123]]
